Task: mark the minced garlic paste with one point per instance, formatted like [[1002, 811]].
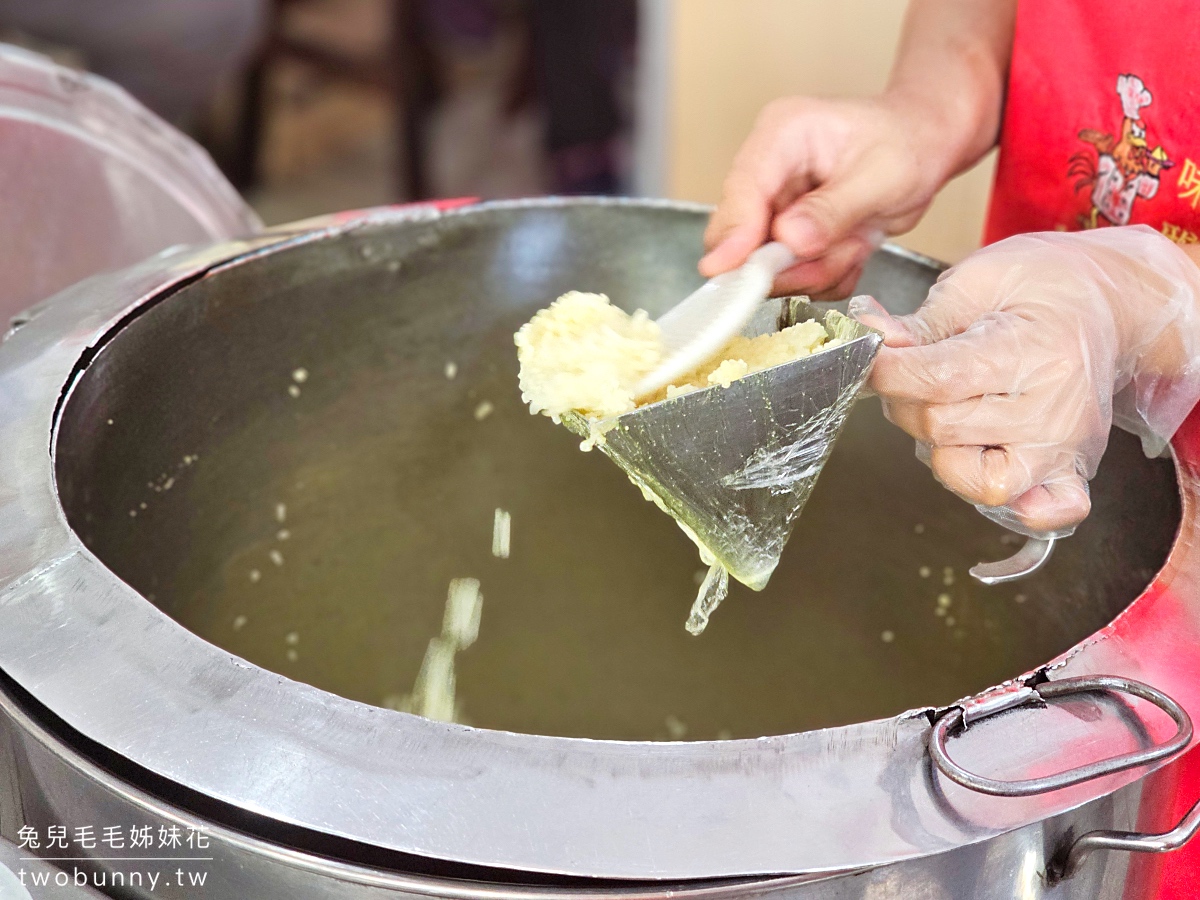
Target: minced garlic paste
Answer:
[[585, 355]]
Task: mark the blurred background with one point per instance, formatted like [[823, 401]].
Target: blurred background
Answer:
[[312, 106]]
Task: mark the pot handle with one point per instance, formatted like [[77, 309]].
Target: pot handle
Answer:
[[958, 718], [1067, 863]]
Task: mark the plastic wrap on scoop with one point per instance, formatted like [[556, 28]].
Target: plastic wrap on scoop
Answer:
[[735, 465]]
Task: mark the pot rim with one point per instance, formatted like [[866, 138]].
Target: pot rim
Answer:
[[121, 673], [466, 887]]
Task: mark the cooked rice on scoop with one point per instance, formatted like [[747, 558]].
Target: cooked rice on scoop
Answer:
[[585, 355]]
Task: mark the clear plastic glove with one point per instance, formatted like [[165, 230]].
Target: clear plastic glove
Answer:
[[1014, 369]]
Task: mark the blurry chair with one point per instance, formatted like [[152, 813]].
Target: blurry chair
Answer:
[[403, 68]]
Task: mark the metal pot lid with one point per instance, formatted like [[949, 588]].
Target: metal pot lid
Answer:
[[93, 181], [121, 673]]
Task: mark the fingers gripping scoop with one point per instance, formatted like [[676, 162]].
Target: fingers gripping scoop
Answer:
[[735, 465]]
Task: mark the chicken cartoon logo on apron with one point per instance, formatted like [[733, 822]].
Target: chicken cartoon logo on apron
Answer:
[[1099, 127], [1122, 169]]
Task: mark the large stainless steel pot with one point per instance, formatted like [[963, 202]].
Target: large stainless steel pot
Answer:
[[149, 434]]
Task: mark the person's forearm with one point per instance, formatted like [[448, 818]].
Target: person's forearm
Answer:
[[1171, 354], [1192, 251], [952, 66]]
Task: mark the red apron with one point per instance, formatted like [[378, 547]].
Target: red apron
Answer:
[[1102, 119], [1101, 128]]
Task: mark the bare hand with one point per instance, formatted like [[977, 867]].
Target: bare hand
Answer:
[[830, 179]]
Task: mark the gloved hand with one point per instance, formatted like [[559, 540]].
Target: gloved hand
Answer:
[[830, 179], [1012, 372]]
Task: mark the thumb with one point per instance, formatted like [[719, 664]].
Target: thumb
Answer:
[[896, 332], [1054, 507], [951, 308], [827, 215]]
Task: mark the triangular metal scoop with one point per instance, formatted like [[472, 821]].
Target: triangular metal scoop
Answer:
[[734, 466]]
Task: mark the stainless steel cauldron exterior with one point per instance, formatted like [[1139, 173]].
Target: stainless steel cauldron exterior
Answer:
[[115, 715], [57, 785]]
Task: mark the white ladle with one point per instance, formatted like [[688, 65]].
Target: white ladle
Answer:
[[704, 323]]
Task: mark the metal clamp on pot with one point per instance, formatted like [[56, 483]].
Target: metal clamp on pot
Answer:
[[1072, 855]]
